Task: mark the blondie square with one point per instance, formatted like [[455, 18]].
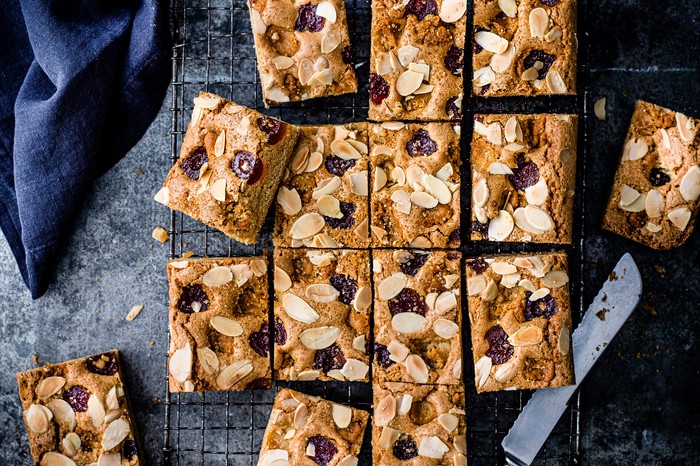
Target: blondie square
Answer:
[[417, 60], [520, 317], [303, 49], [219, 332], [322, 306], [415, 180], [77, 413], [417, 316], [423, 424], [523, 178], [654, 199], [230, 165], [323, 200], [524, 48], [306, 430]]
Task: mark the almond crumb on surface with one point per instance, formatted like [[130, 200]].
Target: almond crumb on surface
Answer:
[[188, 254], [35, 358], [599, 109], [135, 311], [139, 172], [159, 234]]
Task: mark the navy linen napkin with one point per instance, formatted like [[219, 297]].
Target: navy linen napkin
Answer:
[[80, 82]]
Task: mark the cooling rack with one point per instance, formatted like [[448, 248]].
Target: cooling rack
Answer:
[[213, 51]]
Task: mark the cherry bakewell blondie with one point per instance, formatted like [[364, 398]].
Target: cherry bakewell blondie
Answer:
[[306, 430], [523, 178], [77, 413], [303, 49], [423, 425], [322, 306], [654, 199], [417, 316], [219, 332], [415, 183], [417, 59], [323, 200], [231, 163], [520, 317], [525, 47]]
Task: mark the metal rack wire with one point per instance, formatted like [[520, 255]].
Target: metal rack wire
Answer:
[[213, 51]]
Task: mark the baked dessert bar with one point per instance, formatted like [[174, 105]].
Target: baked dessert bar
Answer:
[[323, 199], [654, 199], [417, 60], [303, 49], [520, 317], [306, 430], [322, 306], [77, 413], [523, 178], [230, 165], [524, 48], [415, 199], [219, 332], [418, 425], [417, 316]]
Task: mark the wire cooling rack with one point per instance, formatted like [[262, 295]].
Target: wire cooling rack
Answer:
[[213, 51]]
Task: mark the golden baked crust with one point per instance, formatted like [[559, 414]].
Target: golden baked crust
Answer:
[[329, 163], [297, 420], [401, 40], [532, 32], [79, 409], [408, 347], [422, 415], [216, 195], [219, 334], [536, 203], [404, 212], [659, 177], [323, 57], [537, 352], [335, 285]]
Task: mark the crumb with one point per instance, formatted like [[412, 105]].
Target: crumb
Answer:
[[601, 314], [139, 172], [660, 270], [156, 401], [604, 298], [35, 358], [613, 276], [187, 255], [152, 343], [639, 355], [135, 311], [159, 234]]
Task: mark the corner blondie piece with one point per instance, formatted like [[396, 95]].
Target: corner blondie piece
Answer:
[[523, 178], [524, 48], [323, 200], [322, 305], [231, 163], [303, 49], [417, 60], [415, 185], [654, 199], [417, 316], [306, 430], [520, 317], [77, 413], [219, 332], [423, 424]]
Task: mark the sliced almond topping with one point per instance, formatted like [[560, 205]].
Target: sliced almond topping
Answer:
[[62, 411], [208, 359], [480, 193], [379, 180], [258, 267], [298, 309], [345, 150], [685, 127], [448, 421], [446, 301], [460, 444], [385, 411], [510, 280], [414, 176], [501, 226], [259, 26], [299, 161], [599, 109], [71, 442], [422, 68], [403, 404], [555, 83], [445, 328], [491, 42], [325, 9], [326, 186], [509, 7], [529, 74], [388, 437], [320, 337], [112, 400], [96, 410], [498, 168], [511, 129], [363, 299], [501, 62], [385, 63], [539, 294], [482, 369], [452, 10], [526, 336], [282, 280], [342, 415], [432, 447], [234, 373], [391, 286], [654, 203], [423, 199], [393, 125], [402, 201], [282, 63], [220, 144], [180, 366], [359, 183], [653, 227], [300, 415], [494, 135], [331, 40], [407, 54], [275, 94], [315, 161], [554, 34], [217, 276], [54, 458], [408, 82], [355, 370], [539, 22], [408, 322], [537, 193], [322, 293], [564, 343], [162, 196], [503, 268], [476, 285], [632, 200], [555, 279], [307, 226], [416, 368], [690, 184], [115, 433], [538, 218], [311, 374], [38, 418], [275, 458], [634, 149], [306, 70], [680, 217], [490, 292], [359, 343], [226, 326], [505, 372], [397, 351], [329, 206], [437, 188], [49, 387]]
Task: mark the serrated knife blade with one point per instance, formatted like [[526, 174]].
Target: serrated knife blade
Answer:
[[616, 300]]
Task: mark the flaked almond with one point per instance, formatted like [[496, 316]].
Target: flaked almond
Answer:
[[501, 62], [385, 63], [539, 22], [403, 404], [72, 444], [476, 284], [282, 63], [538, 218], [490, 291], [208, 359], [599, 109], [320, 337], [432, 447], [685, 127], [652, 227], [326, 186], [634, 149], [234, 373], [632, 200], [417, 369], [305, 71], [329, 206], [322, 293], [539, 294], [359, 343], [564, 343], [259, 26], [307, 226], [241, 273], [299, 161], [282, 280], [385, 411], [115, 433], [448, 421], [512, 129], [408, 322], [503, 268], [345, 150], [359, 183], [680, 217], [49, 387], [654, 203], [494, 135], [392, 286], [315, 161], [406, 54], [690, 184], [530, 74], [226, 326], [298, 309], [452, 10], [354, 369], [491, 42], [437, 188], [498, 168], [423, 199], [62, 411], [482, 369], [414, 176], [218, 190], [509, 7], [505, 372], [537, 194], [275, 457], [342, 415], [408, 82], [321, 78], [180, 366], [96, 410], [388, 437], [363, 299], [54, 458], [555, 83], [112, 399], [480, 193], [37, 418], [501, 226], [301, 414], [397, 351], [325, 9], [422, 68], [510, 280], [217, 276], [445, 301], [445, 172], [526, 336], [331, 40], [445, 328], [555, 279], [379, 180], [162, 196]]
